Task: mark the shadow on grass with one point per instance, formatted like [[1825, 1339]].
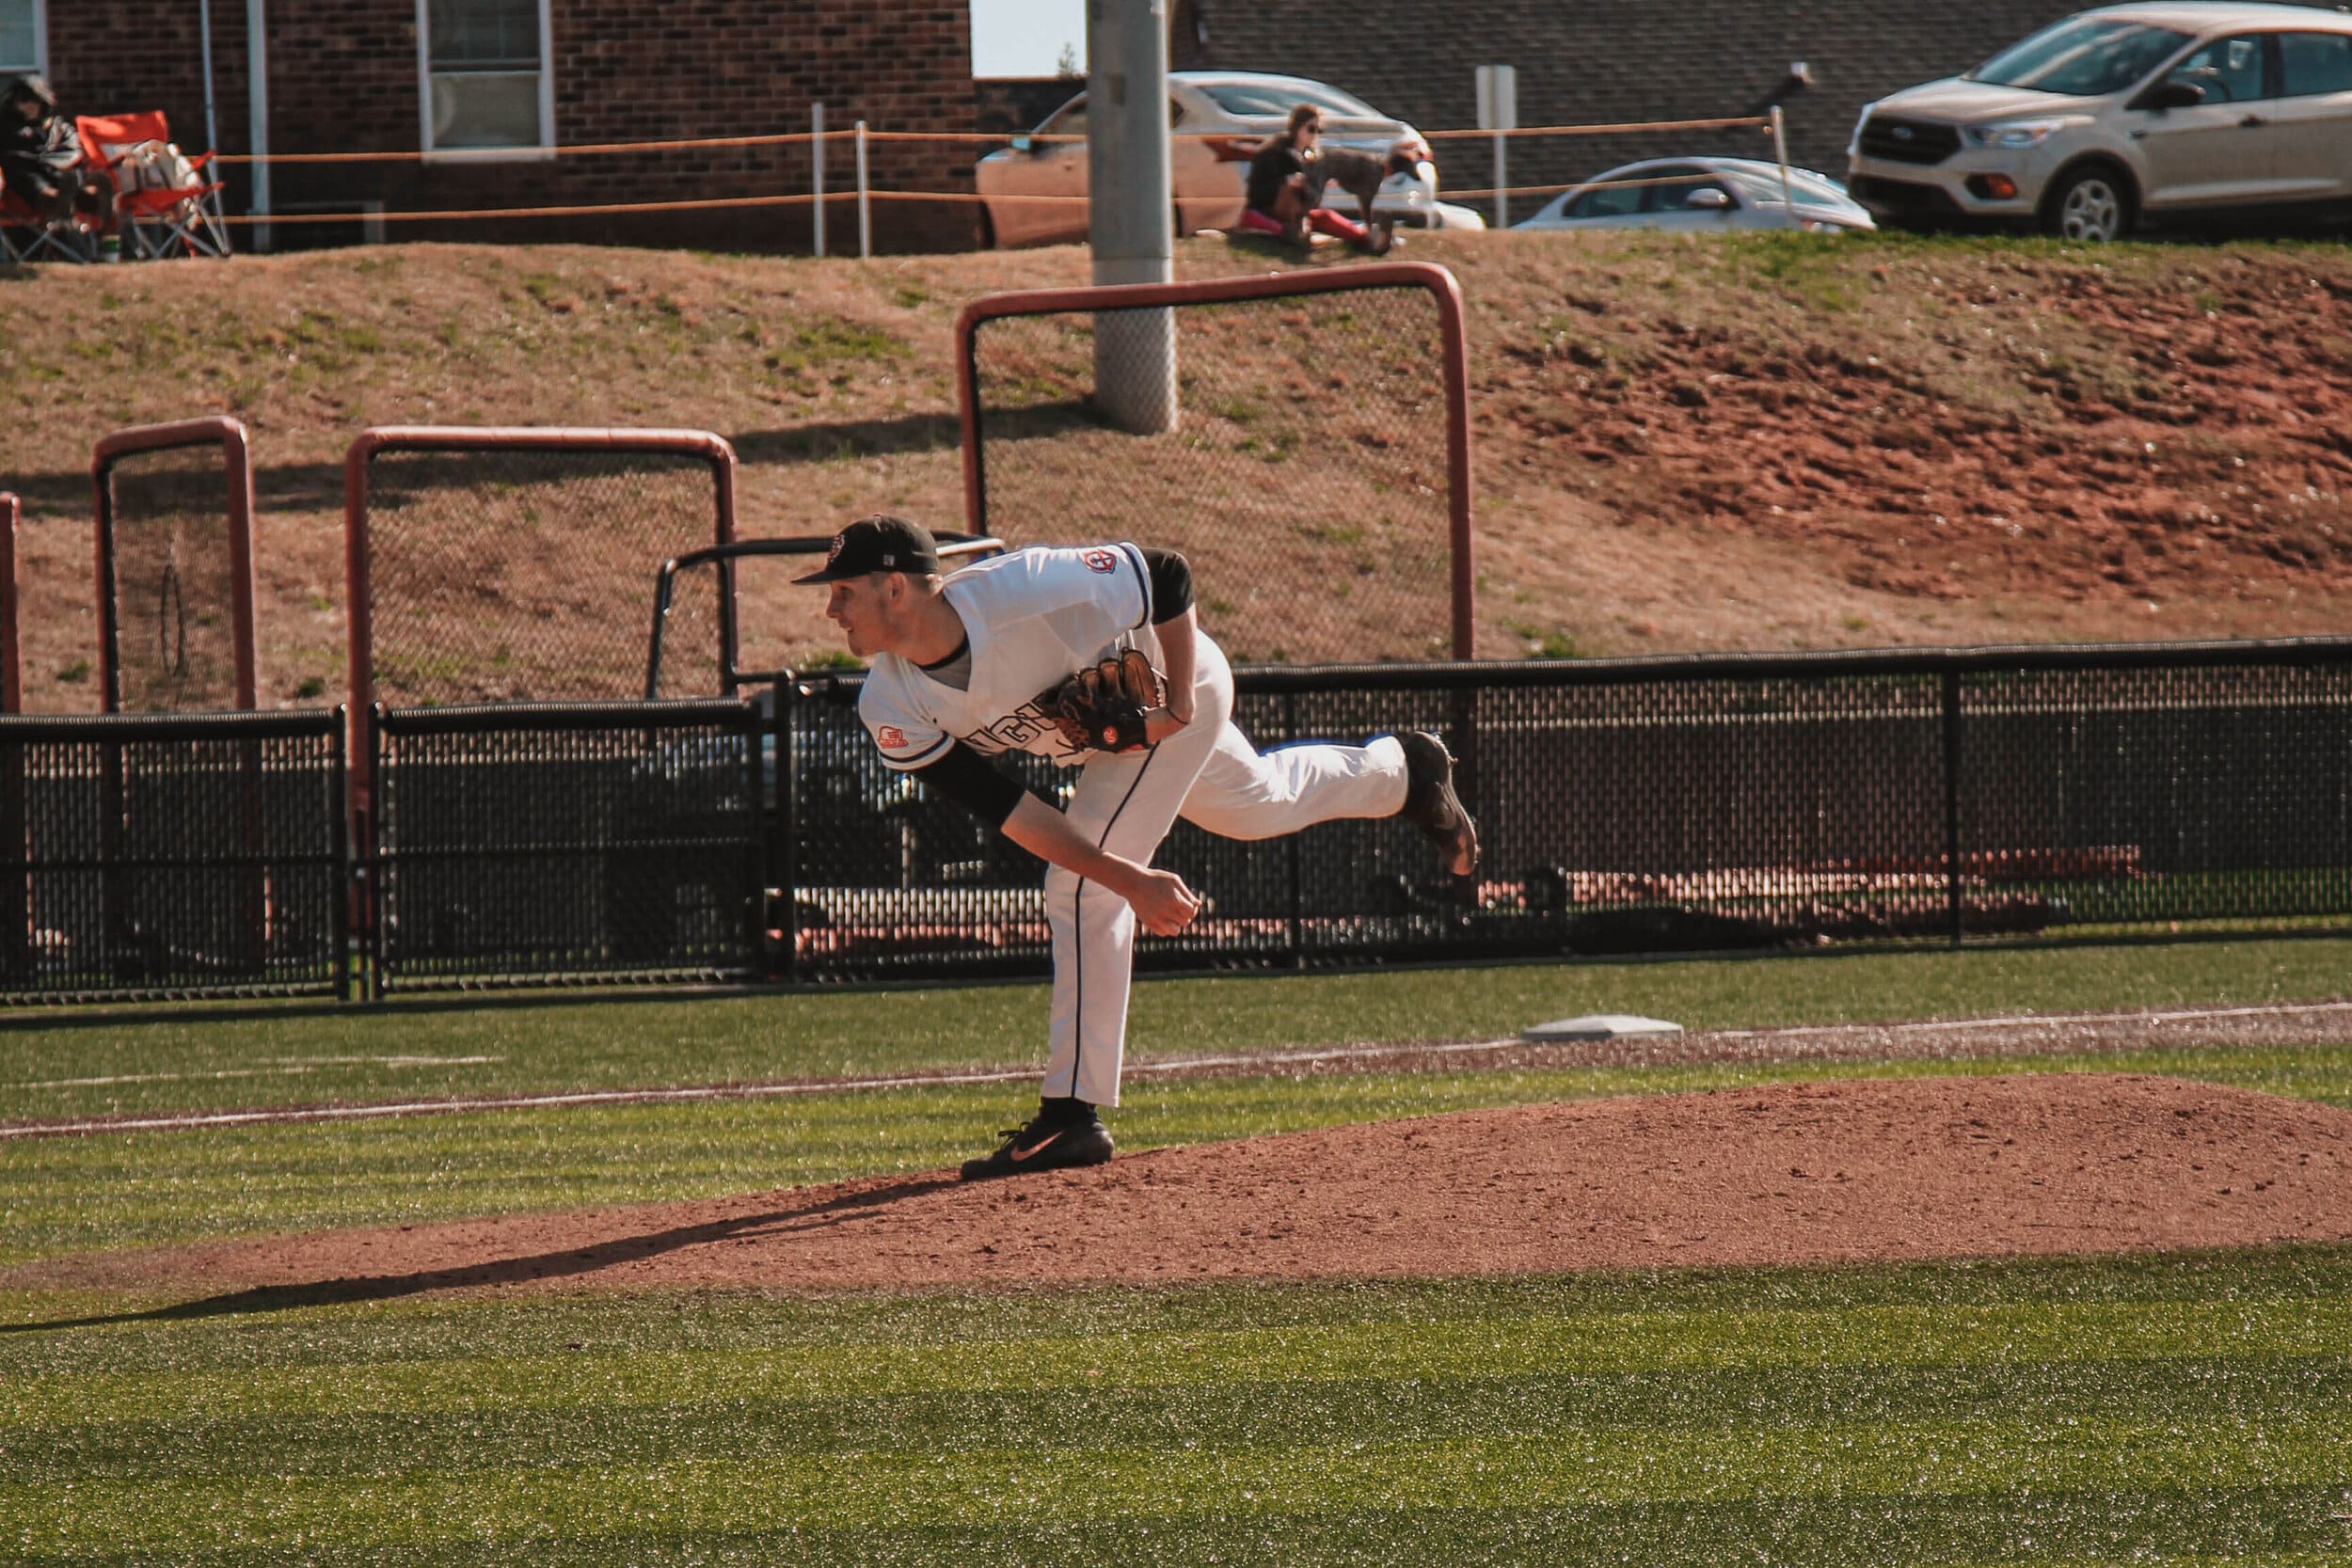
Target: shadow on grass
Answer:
[[572, 1262]]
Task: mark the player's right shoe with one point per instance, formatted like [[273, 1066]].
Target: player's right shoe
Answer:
[[1048, 1143], [1431, 805]]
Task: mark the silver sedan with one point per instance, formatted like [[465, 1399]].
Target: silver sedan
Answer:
[[1705, 195], [1034, 192]]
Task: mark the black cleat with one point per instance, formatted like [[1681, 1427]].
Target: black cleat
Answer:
[[1431, 805], [1046, 1144]]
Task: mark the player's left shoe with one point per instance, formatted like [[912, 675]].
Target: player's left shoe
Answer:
[[1047, 1143], [1431, 805]]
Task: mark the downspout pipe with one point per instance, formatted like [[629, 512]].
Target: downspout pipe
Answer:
[[257, 102]]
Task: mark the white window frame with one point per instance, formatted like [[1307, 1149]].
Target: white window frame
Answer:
[[40, 42], [544, 152]]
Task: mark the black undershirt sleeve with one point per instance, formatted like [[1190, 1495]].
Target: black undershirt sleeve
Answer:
[[971, 781], [1171, 584]]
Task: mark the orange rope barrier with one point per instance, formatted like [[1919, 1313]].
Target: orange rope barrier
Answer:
[[519, 155], [804, 198], [524, 154], [539, 211], [1760, 122]]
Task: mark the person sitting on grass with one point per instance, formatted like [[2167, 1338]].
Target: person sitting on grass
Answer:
[[1279, 202]]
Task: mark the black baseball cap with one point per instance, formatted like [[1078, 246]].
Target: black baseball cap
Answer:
[[878, 544]]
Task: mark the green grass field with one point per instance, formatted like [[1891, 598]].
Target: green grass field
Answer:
[[2187, 1408]]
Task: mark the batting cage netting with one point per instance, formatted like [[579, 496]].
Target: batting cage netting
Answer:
[[175, 563], [1316, 471], [504, 565]]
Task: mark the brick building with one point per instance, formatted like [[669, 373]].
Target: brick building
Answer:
[[1586, 62], [483, 87]]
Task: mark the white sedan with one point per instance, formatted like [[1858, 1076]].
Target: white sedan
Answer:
[[1705, 195], [1034, 192]]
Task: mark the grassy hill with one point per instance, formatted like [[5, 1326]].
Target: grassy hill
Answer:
[[1762, 441]]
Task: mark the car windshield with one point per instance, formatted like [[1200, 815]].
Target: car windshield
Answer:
[[1274, 99], [2083, 58], [1805, 185]]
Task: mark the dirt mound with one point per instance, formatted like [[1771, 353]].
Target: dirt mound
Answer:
[[1813, 1173]]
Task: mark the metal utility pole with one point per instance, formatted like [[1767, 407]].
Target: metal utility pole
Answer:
[[1130, 211]]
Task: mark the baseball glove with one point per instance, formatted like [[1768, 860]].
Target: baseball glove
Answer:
[[1101, 709]]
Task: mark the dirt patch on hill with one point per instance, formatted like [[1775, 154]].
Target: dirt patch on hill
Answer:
[[1814, 1173], [1679, 444]]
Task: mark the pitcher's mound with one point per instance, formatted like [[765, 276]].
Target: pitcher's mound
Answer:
[[1808, 1173]]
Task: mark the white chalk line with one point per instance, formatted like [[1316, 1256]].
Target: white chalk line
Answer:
[[285, 1066], [184, 1122]]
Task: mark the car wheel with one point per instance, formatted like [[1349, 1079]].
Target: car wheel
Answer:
[[988, 228], [2089, 204]]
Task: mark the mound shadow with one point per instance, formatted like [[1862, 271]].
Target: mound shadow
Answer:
[[539, 1268]]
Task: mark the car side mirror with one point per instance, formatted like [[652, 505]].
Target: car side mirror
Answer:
[[2173, 95], [1024, 142], [1710, 200]]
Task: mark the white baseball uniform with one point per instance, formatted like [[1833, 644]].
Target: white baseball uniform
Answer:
[[1033, 618]]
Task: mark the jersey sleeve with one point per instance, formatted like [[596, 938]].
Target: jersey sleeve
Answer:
[[1110, 582], [906, 739]]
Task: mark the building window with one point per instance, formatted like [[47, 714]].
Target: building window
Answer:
[[24, 37], [489, 82]]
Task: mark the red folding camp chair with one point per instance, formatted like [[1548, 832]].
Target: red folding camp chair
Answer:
[[163, 205], [27, 234]]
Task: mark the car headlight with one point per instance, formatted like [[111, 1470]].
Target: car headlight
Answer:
[[2010, 133]]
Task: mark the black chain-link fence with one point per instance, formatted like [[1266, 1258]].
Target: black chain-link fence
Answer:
[[154, 855], [522, 573], [1697, 805], [1306, 475], [1625, 806], [551, 841], [2162, 794], [168, 539]]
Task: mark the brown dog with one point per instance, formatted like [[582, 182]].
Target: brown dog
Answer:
[[1361, 175]]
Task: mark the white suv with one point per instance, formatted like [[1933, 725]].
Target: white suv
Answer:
[[2163, 110]]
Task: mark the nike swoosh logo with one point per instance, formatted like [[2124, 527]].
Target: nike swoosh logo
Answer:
[[1035, 1148]]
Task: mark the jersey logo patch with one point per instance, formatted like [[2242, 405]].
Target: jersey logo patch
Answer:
[[1101, 561], [890, 737], [1013, 732]]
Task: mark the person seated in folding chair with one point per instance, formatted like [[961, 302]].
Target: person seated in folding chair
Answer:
[[163, 204], [1279, 202], [40, 157]]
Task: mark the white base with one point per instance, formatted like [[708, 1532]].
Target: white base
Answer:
[[1597, 1026]]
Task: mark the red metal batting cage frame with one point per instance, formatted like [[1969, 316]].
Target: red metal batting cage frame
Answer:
[[370, 444], [1440, 283], [237, 467], [12, 673]]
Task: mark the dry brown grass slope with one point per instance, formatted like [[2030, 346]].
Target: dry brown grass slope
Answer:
[[1763, 443]]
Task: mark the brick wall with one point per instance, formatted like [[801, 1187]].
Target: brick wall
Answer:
[[343, 77], [1607, 61]]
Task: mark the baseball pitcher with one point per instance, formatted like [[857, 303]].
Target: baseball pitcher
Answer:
[[1093, 658]]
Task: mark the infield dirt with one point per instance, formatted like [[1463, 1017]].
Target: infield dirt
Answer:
[[1855, 1171]]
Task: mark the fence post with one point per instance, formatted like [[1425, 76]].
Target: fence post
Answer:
[[816, 171], [347, 955], [1951, 797], [865, 217], [1297, 931], [783, 870], [1503, 184], [1499, 112], [1780, 151]]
